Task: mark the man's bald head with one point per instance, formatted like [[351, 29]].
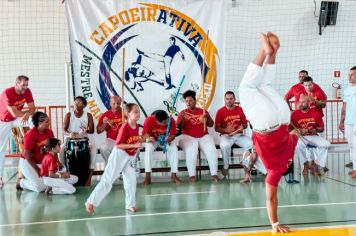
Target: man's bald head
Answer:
[[115, 103], [304, 102]]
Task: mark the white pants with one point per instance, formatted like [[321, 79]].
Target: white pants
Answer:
[[61, 186], [172, 152], [190, 146], [119, 161], [92, 155], [32, 180], [258, 164], [5, 131], [350, 133], [263, 106], [226, 143], [107, 148], [320, 153]]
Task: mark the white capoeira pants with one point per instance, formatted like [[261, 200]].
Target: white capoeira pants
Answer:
[[320, 153], [190, 146], [226, 143], [119, 161], [61, 186], [258, 164], [92, 155], [263, 106], [5, 131], [32, 180], [106, 148], [350, 133], [172, 152]]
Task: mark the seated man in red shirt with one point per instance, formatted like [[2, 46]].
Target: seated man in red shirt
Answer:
[[110, 122], [309, 122], [194, 136], [269, 115], [155, 126], [298, 88]]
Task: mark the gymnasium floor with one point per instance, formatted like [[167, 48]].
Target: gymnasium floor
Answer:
[[317, 206]]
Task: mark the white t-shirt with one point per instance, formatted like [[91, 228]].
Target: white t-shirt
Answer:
[[350, 100]]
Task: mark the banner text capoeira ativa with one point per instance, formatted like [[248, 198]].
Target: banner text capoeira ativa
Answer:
[[163, 41]]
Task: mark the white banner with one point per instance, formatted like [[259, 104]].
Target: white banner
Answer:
[[163, 41]]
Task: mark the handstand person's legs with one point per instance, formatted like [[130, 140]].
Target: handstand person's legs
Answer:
[[269, 72], [251, 91]]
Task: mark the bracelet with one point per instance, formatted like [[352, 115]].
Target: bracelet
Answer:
[[274, 225]]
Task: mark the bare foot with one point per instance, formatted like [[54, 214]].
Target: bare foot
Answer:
[[247, 179], [225, 172], [175, 179], [215, 179], [1, 183], [48, 191], [267, 48], [353, 174], [89, 208], [132, 209], [273, 40], [281, 229], [192, 179]]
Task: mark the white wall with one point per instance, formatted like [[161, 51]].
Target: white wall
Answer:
[[34, 42]]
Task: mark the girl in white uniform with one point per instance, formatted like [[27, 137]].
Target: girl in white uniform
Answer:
[[121, 160]]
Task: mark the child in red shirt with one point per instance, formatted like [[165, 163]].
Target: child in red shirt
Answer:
[[57, 182], [121, 160]]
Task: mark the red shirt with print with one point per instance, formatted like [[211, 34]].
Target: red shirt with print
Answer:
[[34, 142], [307, 120], [10, 98], [276, 150], [49, 163], [111, 130], [153, 129], [230, 118], [192, 125], [128, 135]]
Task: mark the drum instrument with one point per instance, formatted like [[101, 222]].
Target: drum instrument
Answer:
[[18, 133], [77, 159]]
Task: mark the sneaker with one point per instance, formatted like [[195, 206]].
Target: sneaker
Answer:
[[350, 165], [18, 186]]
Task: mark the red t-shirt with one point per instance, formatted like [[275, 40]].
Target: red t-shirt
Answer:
[[317, 93], [192, 125], [307, 120], [49, 163], [10, 98], [276, 150], [128, 135], [111, 131], [296, 89], [233, 118], [34, 141], [153, 129]]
